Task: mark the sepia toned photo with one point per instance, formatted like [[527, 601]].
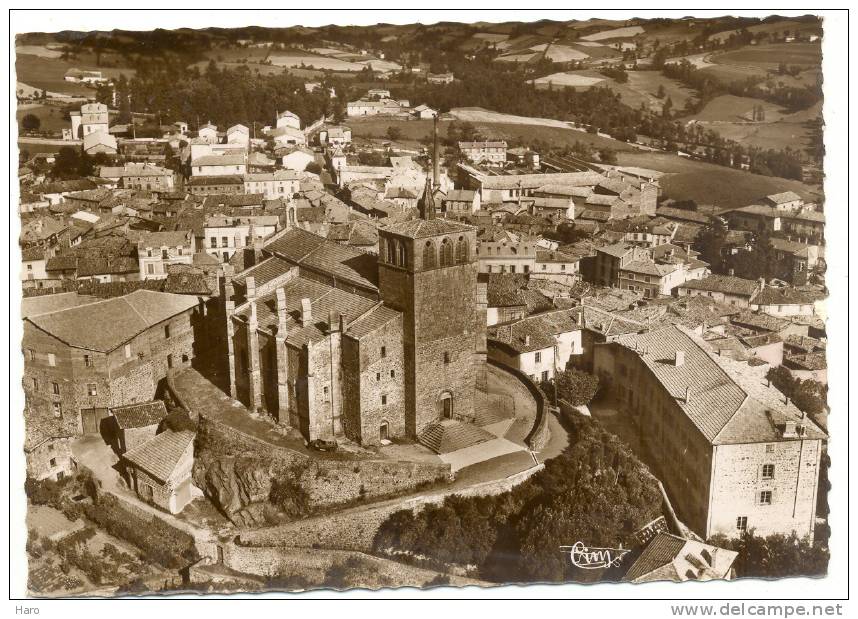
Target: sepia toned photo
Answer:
[[433, 304]]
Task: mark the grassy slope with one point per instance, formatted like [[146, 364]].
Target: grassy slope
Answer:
[[708, 183]]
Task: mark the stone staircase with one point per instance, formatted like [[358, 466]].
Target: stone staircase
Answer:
[[451, 435]]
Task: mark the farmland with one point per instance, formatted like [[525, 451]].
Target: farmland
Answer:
[[52, 118], [643, 86], [706, 183], [49, 73], [763, 61]]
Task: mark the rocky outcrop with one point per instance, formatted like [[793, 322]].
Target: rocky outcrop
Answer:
[[238, 485], [237, 473]]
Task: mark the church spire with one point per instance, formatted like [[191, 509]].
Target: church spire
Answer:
[[427, 203]]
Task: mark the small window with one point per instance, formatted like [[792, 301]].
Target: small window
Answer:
[[378, 376], [325, 391], [91, 389], [167, 332], [393, 373], [446, 357], [87, 361], [765, 497], [52, 462], [770, 448], [213, 242], [768, 471], [58, 409], [383, 400], [150, 269], [383, 352], [52, 359], [544, 375], [164, 254], [31, 354], [537, 357], [35, 384], [55, 388]]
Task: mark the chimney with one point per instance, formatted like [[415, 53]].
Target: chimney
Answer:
[[732, 272], [306, 313], [688, 395], [679, 358], [251, 287], [762, 281], [581, 317]]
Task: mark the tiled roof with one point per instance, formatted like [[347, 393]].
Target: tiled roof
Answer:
[[729, 401], [106, 265], [227, 179], [661, 551], [533, 181], [265, 271], [724, 283], [421, 228], [505, 289], [534, 332], [174, 238], [119, 319], [544, 255], [786, 296], [139, 415], [371, 321], [781, 198], [682, 215], [219, 160], [47, 303], [160, 455], [295, 244], [759, 321], [187, 282]]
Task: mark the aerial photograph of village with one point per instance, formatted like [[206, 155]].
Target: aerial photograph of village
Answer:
[[421, 305]]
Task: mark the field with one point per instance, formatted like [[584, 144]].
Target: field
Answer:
[[516, 58], [617, 33], [642, 88], [570, 79], [52, 117], [763, 60], [564, 53], [412, 131], [707, 183], [728, 108]]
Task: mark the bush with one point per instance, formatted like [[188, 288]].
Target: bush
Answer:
[[159, 542], [775, 556]]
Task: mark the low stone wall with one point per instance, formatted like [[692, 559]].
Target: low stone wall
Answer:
[[314, 564], [540, 433], [356, 528]]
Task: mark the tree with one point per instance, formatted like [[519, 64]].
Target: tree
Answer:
[[775, 556], [661, 92], [710, 243], [31, 122], [394, 133], [71, 163], [608, 156], [808, 395], [576, 387]]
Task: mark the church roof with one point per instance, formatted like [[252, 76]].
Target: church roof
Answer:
[[422, 228]]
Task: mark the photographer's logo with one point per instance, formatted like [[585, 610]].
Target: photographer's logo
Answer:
[[594, 558]]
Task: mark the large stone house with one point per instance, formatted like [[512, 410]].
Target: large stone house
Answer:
[[83, 360], [733, 452]]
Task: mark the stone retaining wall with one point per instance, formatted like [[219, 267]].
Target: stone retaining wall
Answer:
[[355, 529]]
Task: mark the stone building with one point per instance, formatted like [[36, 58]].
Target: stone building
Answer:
[[134, 424], [428, 271], [733, 452], [83, 360], [340, 343], [159, 470]]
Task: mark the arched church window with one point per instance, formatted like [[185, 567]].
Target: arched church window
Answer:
[[462, 250], [446, 253], [429, 256]]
